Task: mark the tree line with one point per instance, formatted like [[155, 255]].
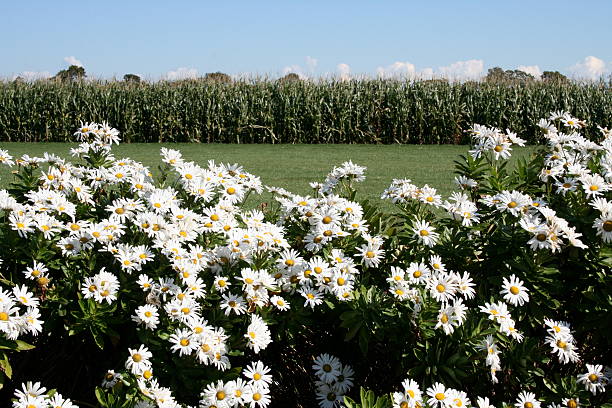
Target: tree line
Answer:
[[496, 74]]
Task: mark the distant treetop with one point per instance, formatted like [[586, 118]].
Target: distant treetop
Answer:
[[497, 74], [131, 78], [218, 77], [73, 73], [291, 77]]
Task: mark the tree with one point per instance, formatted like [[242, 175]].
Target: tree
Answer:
[[73, 72], [218, 77], [131, 78], [291, 77], [497, 74], [555, 77]]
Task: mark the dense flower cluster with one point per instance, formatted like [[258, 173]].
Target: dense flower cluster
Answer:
[[334, 380], [203, 284], [19, 312], [35, 395]]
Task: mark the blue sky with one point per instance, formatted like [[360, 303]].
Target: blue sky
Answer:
[[172, 39]]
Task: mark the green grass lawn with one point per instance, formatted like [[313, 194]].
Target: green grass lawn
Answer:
[[294, 166]]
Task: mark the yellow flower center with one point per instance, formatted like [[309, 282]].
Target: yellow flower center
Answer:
[[231, 191], [607, 226], [4, 316], [327, 219], [120, 211], [147, 374], [541, 237], [340, 281], [514, 290], [440, 288], [512, 204], [417, 274], [185, 310], [498, 148], [370, 254], [424, 233], [561, 344], [214, 217], [444, 318], [256, 396], [440, 396], [137, 358], [594, 188], [528, 405], [593, 377], [257, 376], [220, 395], [184, 342], [572, 403]]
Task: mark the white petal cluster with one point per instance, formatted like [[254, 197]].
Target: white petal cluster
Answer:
[[35, 395], [334, 380]]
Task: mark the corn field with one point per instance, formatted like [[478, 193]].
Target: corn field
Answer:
[[364, 111]]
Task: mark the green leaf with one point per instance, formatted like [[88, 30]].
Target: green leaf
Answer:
[[98, 337], [23, 346], [101, 397], [5, 365]]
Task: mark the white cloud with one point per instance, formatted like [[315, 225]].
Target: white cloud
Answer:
[[463, 70], [295, 69], [397, 69], [531, 69], [33, 75], [311, 63], [302, 72], [460, 70], [427, 73], [344, 71], [73, 61], [590, 68], [181, 73]]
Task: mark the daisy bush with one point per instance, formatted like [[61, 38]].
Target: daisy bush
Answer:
[[125, 290]]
